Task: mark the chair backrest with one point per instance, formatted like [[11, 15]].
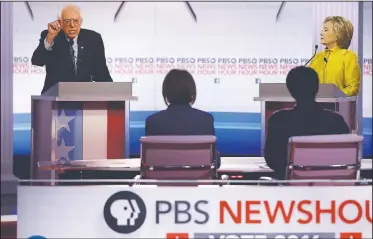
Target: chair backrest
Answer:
[[178, 158], [324, 157]]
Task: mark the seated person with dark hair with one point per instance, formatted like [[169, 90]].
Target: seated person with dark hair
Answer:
[[180, 118], [306, 118]]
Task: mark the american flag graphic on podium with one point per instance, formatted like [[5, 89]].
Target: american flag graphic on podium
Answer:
[[92, 130]]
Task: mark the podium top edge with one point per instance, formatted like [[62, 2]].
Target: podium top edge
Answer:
[[319, 99], [83, 98], [94, 83]]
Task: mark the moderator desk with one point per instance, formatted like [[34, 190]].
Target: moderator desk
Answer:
[[228, 164], [238, 166], [9, 226]]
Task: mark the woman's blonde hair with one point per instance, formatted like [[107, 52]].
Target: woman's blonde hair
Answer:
[[344, 30]]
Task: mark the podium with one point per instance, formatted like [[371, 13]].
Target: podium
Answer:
[[276, 96], [79, 121]]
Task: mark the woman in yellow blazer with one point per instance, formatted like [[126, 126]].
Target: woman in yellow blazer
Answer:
[[337, 65]]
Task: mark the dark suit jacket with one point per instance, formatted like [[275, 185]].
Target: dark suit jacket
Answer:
[[302, 120], [181, 120], [91, 62]]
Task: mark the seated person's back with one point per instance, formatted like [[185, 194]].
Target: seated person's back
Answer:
[[180, 118], [306, 118]]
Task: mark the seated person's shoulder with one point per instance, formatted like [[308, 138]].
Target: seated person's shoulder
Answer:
[[203, 114], [332, 115], [281, 115], [335, 122], [156, 116]]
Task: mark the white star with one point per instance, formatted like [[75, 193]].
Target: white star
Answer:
[[61, 151], [62, 121]]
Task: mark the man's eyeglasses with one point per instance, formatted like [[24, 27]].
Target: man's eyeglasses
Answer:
[[69, 21]]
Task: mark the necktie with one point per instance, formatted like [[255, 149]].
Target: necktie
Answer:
[[72, 53]]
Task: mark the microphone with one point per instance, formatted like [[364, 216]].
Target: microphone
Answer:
[[314, 54], [326, 58]]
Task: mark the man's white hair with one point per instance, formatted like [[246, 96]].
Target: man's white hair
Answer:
[[70, 6]]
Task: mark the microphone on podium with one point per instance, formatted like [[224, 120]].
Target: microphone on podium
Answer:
[[314, 54]]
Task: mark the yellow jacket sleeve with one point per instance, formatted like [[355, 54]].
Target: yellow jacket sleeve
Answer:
[[351, 75], [314, 61]]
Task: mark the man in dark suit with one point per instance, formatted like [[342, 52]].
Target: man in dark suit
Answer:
[[180, 118], [73, 54], [306, 118]]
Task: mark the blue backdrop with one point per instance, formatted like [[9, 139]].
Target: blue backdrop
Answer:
[[237, 133]]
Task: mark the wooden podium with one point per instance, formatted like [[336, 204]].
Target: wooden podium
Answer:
[[276, 96], [79, 121]]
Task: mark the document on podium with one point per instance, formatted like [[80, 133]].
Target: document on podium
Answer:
[[264, 165]]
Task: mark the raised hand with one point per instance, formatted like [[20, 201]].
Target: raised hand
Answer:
[[53, 29]]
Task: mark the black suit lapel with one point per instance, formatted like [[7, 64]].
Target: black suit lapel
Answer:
[[65, 51], [81, 51]]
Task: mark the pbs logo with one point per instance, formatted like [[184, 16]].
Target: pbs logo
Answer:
[[125, 212]]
